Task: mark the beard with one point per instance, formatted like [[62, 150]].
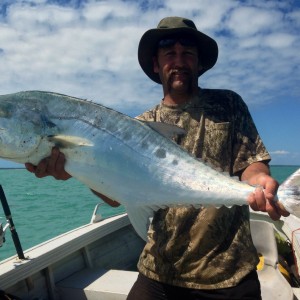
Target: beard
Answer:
[[183, 85]]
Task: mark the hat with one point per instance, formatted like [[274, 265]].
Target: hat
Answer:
[[207, 47]]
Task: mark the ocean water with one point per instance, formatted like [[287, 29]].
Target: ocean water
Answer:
[[44, 208]]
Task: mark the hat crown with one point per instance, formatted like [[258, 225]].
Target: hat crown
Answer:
[[176, 22]]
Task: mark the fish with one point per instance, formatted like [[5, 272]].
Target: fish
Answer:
[[130, 161]]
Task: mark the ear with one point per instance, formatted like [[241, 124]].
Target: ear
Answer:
[[155, 64]]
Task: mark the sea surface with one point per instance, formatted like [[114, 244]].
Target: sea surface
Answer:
[[44, 208]]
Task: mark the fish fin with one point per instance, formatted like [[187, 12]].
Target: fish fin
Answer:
[[140, 218], [289, 194], [166, 130], [68, 141]]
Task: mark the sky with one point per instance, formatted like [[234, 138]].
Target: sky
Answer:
[[88, 49]]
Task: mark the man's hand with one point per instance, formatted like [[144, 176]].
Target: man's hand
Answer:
[[263, 198], [54, 165]]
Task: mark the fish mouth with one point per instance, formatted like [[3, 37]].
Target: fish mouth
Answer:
[[13, 157]]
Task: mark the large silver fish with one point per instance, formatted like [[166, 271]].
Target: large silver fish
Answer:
[[119, 156]]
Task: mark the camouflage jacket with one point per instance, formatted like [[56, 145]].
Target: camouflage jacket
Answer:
[[206, 248]]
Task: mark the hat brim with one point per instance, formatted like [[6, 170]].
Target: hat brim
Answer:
[[207, 47]]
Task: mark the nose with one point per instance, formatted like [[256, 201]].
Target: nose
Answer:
[[179, 61], [179, 57]]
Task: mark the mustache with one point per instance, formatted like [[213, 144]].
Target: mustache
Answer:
[[179, 71]]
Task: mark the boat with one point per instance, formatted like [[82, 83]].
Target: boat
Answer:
[[98, 261]]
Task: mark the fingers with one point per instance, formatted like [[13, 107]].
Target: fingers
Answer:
[[30, 167], [270, 188], [39, 170], [272, 210], [261, 200], [281, 209], [54, 165], [257, 200]]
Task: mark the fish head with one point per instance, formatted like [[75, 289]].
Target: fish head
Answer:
[[22, 128]]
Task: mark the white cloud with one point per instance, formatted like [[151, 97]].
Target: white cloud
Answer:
[[88, 50], [280, 40], [280, 152], [49, 46], [247, 21], [295, 17], [207, 14], [41, 17]]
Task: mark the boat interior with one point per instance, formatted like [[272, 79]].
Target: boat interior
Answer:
[[98, 261]]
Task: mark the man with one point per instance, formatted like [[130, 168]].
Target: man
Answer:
[[197, 253]]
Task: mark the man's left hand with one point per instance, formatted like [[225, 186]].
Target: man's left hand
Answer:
[[264, 197]]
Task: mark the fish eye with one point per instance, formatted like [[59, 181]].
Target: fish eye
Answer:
[[5, 111]]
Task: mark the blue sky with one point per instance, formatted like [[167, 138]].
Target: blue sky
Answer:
[[88, 49]]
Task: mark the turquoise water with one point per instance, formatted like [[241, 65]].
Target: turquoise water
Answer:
[[44, 208]]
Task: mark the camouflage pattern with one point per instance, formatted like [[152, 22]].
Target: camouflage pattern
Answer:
[[206, 248]]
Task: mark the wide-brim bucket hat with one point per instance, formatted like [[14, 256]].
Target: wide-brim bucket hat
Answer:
[[207, 47]]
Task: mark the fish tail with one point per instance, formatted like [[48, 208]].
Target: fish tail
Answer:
[[289, 194]]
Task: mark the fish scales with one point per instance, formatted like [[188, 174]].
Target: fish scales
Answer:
[[118, 156]]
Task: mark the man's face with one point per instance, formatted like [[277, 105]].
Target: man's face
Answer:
[[178, 67]]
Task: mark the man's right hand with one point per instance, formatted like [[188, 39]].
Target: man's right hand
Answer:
[[54, 165]]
